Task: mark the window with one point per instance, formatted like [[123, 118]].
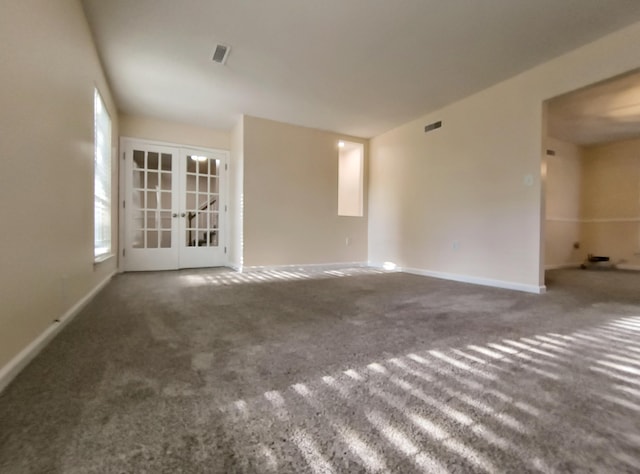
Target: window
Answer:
[[350, 178], [102, 180]]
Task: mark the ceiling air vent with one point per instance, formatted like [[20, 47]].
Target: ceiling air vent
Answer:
[[221, 53], [433, 126]]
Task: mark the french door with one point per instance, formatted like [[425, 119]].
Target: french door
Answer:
[[174, 206]]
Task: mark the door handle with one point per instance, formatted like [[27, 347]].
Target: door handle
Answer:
[[175, 214], [182, 215]]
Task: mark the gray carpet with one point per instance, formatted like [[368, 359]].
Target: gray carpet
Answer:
[[347, 371]]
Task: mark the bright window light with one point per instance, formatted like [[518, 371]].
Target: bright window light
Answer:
[[102, 179]]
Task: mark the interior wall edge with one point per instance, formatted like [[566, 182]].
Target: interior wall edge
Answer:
[[26, 355]]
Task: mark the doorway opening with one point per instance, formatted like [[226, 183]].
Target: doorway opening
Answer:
[[591, 170]]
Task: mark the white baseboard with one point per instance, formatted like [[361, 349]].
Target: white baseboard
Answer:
[[26, 355], [509, 285], [606, 220], [626, 266], [562, 265], [318, 267]]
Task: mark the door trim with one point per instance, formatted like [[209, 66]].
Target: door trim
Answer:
[[123, 142]]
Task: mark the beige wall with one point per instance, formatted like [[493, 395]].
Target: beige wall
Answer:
[[149, 128], [563, 205], [291, 198], [49, 71], [455, 201], [611, 201]]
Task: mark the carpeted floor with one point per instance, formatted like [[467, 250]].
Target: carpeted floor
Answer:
[[348, 371]]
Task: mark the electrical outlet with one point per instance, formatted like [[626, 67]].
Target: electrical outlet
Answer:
[[455, 245], [347, 241], [528, 180]]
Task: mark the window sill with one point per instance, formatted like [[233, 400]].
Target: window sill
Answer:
[[103, 258]]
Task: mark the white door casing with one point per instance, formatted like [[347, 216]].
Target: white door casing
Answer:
[[174, 206]]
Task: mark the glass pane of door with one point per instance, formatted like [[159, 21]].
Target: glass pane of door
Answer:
[[201, 201], [151, 200]]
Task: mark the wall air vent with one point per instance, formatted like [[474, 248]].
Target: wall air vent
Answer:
[[551, 152], [433, 126], [221, 53]]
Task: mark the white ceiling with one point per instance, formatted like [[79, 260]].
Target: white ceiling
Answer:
[[605, 112], [357, 67]]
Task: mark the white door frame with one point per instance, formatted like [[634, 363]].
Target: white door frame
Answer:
[[122, 191]]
